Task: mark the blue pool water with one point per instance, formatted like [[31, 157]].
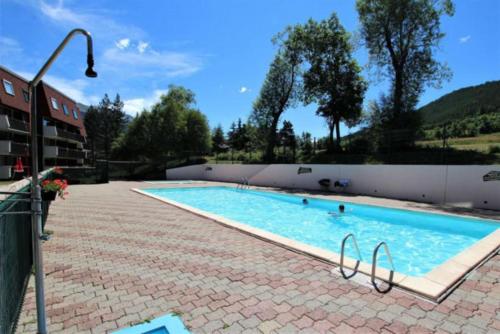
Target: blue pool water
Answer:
[[418, 241]]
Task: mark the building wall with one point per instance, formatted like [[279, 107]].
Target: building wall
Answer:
[[454, 185], [14, 109]]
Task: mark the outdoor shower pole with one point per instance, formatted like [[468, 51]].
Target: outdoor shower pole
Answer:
[[36, 191], [36, 218]]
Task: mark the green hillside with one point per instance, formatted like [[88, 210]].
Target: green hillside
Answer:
[[463, 103]]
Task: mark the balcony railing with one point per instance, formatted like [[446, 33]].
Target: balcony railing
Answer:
[[70, 135], [11, 124], [69, 153], [8, 147], [51, 131], [19, 149], [19, 125], [60, 152]]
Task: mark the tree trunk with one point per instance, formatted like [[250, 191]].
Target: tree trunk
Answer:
[[398, 95], [337, 126], [271, 142], [331, 127]]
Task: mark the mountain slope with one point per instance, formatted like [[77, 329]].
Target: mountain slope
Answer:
[[463, 103]]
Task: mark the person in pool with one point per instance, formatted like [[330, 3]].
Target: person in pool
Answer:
[[305, 201], [341, 211]]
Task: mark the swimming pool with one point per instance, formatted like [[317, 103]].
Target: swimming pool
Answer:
[[419, 241]]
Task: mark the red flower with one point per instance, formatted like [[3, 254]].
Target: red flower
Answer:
[[57, 170], [56, 185]]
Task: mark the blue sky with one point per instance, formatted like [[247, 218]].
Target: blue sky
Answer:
[[221, 49]]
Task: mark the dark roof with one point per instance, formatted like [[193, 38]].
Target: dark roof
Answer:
[[19, 83], [44, 93]]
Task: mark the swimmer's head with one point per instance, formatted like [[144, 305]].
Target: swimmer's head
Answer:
[[341, 208]]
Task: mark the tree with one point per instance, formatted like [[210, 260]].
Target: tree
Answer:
[[402, 37], [287, 138], [332, 79], [195, 133], [237, 136], [232, 135], [104, 124], [306, 145], [171, 130], [251, 139], [92, 127], [279, 92], [218, 140]]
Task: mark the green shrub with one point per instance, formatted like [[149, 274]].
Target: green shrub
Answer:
[[494, 149]]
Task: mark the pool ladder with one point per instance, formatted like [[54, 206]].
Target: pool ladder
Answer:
[[244, 184], [374, 262]]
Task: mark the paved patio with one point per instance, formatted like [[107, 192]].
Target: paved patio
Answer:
[[118, 258]]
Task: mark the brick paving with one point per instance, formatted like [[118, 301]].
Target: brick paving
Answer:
[[118, 258]]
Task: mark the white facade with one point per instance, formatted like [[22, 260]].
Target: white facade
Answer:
[[452, 185]]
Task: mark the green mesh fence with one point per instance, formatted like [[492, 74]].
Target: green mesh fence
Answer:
[[15, 259]]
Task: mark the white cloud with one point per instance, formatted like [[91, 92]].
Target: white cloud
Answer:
[[9, 47], [59, 13], [464, 39], [144, 60], [75, 89], [123, 43], [167, 63], [133, 106], [142, 46], [98, 24], [244, 89]]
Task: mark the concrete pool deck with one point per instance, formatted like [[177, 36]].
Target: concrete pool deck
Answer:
[[117, 258]]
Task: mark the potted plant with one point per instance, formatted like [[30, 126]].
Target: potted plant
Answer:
[[53, 188]]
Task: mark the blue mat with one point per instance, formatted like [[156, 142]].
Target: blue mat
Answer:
[[167, 324]]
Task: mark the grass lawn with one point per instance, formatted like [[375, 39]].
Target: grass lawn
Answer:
[[482, 143], [483, 149]]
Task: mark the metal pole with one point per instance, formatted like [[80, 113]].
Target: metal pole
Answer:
[[36, 192], [36, 218]]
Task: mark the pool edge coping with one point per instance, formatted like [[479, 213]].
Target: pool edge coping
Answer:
[[432, 285]]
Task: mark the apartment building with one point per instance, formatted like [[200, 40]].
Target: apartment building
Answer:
[[63, 129]]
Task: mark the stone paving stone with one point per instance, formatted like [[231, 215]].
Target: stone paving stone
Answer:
[[268, 326], [117, 257]]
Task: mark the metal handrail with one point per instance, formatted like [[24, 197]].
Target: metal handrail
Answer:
[[14, 193], [374, 267], [244, 182], [342, 251]]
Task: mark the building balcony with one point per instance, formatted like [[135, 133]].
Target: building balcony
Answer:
[[8, 147], [14, 125], [63, 153], [53, 132], [5, 172]]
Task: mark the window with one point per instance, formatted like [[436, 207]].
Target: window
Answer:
[[75, 114], [26, 96], [54, 103], [65, 109], [9, 88]]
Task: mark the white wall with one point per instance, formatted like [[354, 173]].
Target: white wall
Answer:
[[453, 185], [194, 172], [231, 173], [465, 187]]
